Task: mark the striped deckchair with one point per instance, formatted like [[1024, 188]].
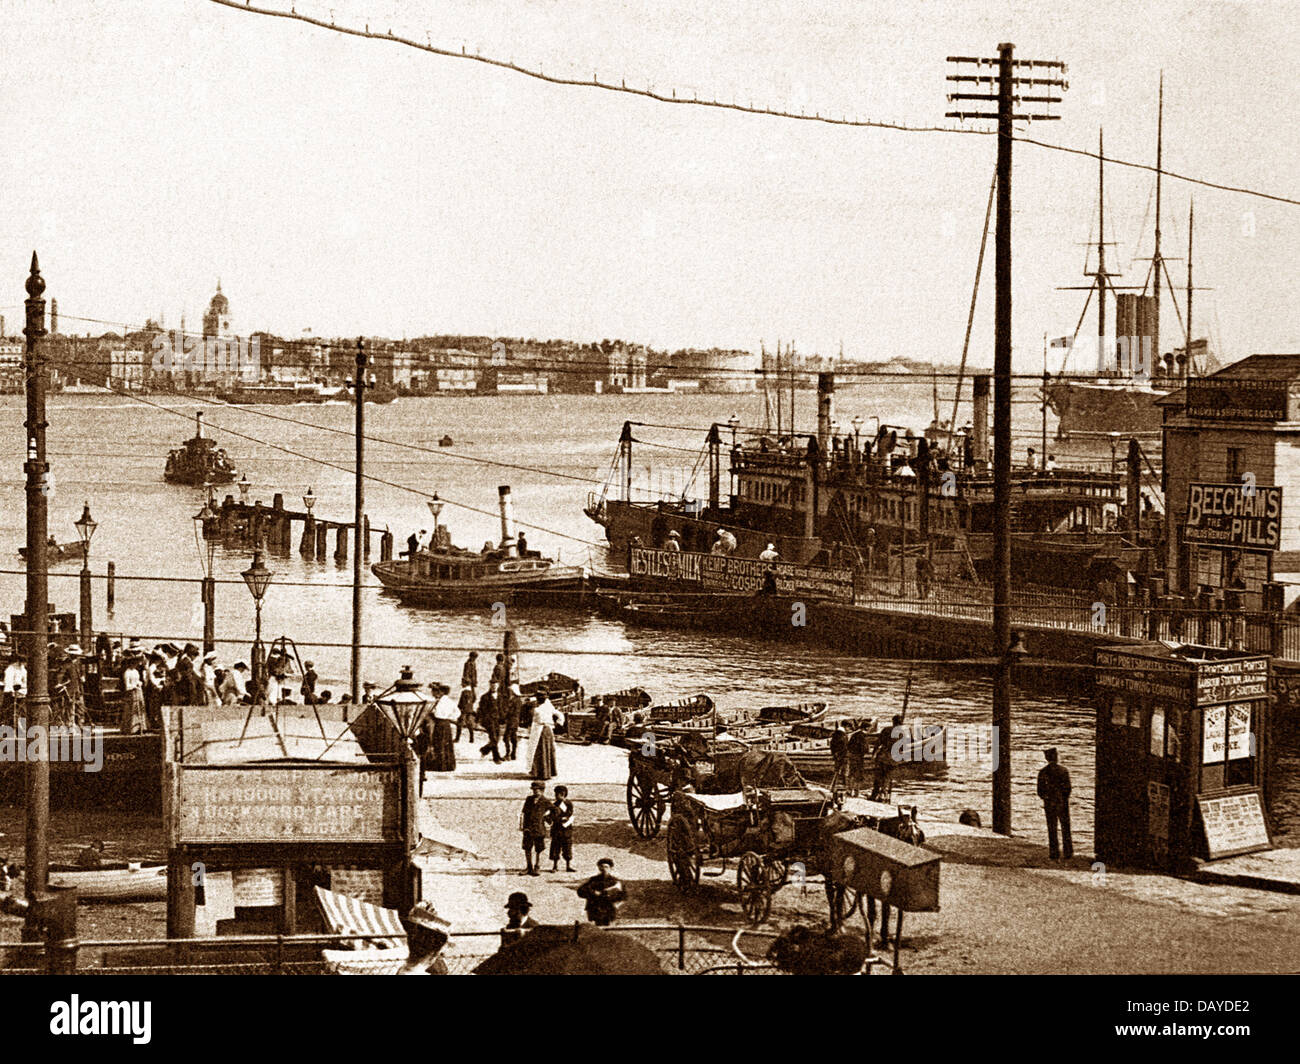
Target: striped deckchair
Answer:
[[351, 916]]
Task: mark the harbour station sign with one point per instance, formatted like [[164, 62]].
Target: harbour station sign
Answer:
[[1229, 515]]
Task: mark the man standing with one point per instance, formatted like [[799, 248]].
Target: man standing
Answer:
[[508, 707], [532, 825], [840, 752], [770, 555], [1054, 790], [15, 688], [602, 893], [487, 715], [855, 762], [466, 706], [309, 683], [469, 675]]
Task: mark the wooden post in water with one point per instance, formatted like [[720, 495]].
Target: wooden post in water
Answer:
[[341, 544], [307, 545], [365, 536], [385, 546], [322, 544], [110, 595]]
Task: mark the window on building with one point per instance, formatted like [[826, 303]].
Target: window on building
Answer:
[[1236, 463]]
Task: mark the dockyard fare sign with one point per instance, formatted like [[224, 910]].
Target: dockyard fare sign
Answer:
[[1227, 515], [1177, 680], [1234, 823], [280, 804], [1229, 399], [720, 572]]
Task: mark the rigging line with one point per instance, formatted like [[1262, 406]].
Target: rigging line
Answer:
[[368, 476], [695, 101], [970, 318]]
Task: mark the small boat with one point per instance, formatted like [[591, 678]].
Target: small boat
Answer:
[[199, 461], [445, 575], [691, 610], [277, 394], [446, 441], [630, 698], [566, 693], [118, 881], [809, 751], [57, 552], [375, 393], [772, 722], [694, 715]]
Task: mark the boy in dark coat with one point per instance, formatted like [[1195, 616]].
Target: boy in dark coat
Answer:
[[532, 824], [562, 830]]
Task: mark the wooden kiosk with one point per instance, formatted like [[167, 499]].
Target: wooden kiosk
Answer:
[[261, 803], [1180, 758]]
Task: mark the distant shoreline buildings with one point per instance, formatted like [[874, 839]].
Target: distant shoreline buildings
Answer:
[[155, 359]]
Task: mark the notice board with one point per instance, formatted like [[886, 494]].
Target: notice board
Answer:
[[1234, 823], [279, 803]]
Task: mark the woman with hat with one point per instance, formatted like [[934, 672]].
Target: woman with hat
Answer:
[[442, 749], [134, 719]]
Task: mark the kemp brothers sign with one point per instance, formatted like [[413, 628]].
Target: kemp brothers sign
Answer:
[[1228, 515], [719, 572]]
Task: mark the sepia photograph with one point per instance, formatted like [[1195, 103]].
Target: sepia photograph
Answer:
[[560, 487]]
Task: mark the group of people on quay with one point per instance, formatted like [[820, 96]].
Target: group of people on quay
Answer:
[[499, 712]]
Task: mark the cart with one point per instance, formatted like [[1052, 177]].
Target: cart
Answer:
[[864, 863], [657, 769], [772, 821]]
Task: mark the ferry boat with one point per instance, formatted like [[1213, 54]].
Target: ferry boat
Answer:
[[199, 461], [278, 394], [895, 504], [445, 575]]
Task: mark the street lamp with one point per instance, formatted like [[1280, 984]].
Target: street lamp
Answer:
[[435, 507], [405, 708], [258, 578], [244, 485], [207, 548], [734, 422], [857, 431], [309, 500], [85, 526]]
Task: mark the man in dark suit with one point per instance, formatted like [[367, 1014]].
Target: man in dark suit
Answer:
[[1054, 790], [602, 893]]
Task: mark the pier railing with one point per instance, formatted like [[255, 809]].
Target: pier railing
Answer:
[[1247, 630]]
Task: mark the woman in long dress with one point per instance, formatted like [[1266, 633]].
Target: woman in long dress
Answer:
[[442, 753], [134, 718], [541, 739]]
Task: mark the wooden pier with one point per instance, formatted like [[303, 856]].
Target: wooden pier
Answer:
[[273, 527]]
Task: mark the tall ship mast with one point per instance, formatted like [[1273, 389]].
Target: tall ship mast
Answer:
[[1131, 373]]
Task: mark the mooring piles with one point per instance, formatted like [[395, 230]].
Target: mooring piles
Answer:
[[241, 524]]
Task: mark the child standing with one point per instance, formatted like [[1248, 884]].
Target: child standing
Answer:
[[532, 823], [561, 818]]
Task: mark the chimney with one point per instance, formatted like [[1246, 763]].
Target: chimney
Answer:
[[825, 398], [507, 520], [981, 434]]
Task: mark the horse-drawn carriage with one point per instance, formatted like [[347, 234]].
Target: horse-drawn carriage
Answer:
[[656, 768]]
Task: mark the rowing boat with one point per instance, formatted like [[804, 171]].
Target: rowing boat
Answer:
[[775, 722], [134, 880]]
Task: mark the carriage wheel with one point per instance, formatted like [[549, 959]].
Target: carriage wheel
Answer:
[[683, 858], [645, 805], [755, 888], [778, 872]]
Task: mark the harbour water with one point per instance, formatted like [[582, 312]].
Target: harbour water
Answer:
[[114, 459]]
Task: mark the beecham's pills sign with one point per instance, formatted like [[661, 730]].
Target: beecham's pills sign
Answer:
[[1229, 515]]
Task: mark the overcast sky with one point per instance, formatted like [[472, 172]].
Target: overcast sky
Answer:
[[354, 186]]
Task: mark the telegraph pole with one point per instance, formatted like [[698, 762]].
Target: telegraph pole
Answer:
[[1006, 98], [37, 783], [357, 521]]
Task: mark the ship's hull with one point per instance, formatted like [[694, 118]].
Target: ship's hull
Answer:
[[1086, 409], [273, 397], [560, 582], [129, 775]]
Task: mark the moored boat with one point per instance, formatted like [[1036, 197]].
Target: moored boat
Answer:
[[118, 881], [277, 394], [57, 552], [445, 575]]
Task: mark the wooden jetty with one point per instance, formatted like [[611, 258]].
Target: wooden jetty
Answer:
[[274, 526]]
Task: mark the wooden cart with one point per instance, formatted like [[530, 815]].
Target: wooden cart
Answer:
[[655, 770], [767, 830]]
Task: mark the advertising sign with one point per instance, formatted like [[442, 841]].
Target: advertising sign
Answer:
[[1230, 515]]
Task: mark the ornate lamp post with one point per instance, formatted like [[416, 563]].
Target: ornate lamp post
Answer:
[[734, 423], [85, 526], [309, 500], [435, 507], [857, 431], [405, 708], [258, 578], [244, 486], [207, 548]]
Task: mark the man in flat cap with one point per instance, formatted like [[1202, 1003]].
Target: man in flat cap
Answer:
[[1054, 790]]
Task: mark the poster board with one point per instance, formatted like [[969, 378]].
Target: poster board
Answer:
[[1234, 823]]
